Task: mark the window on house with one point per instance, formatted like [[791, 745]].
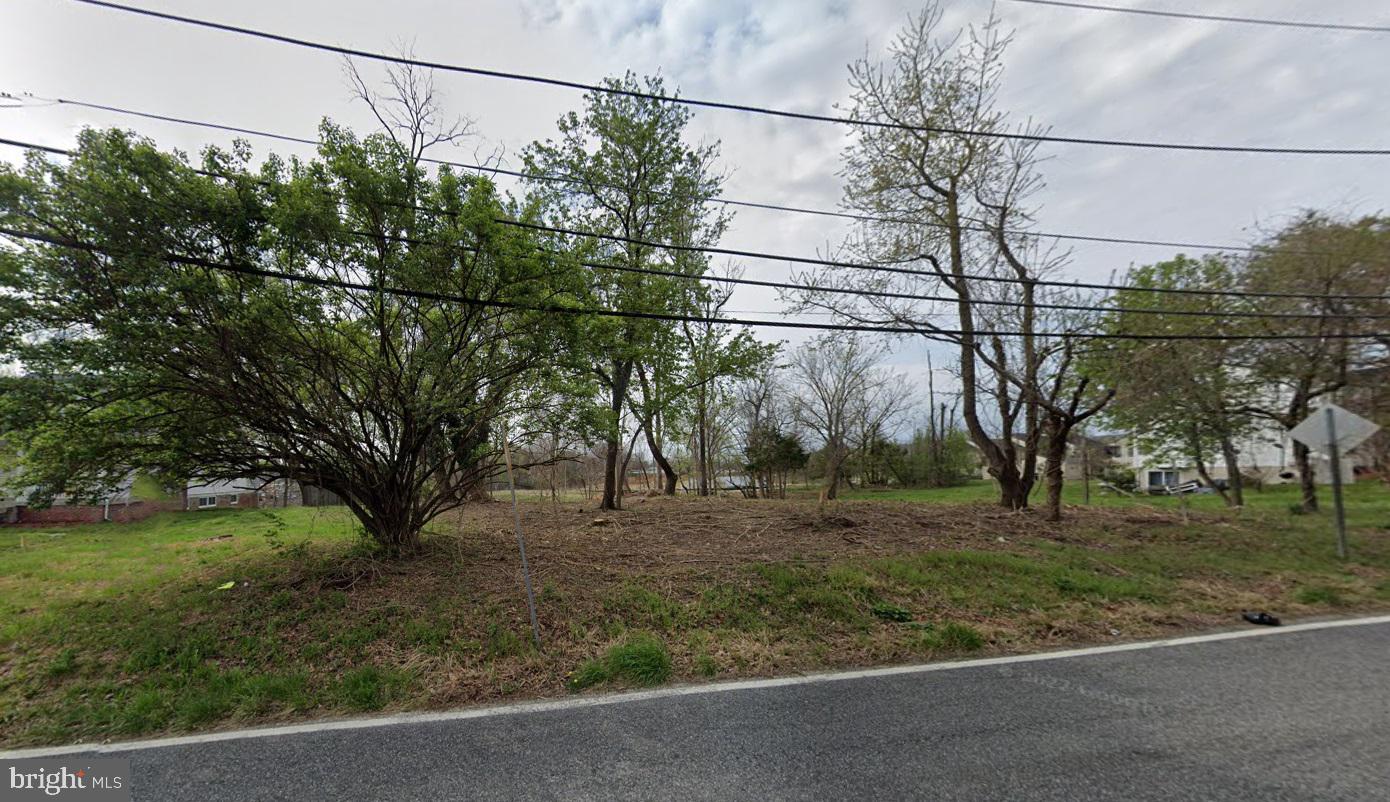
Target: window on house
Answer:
[[232, 500], [207, 501], [1163, 478]]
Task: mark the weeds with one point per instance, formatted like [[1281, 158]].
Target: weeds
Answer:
[[1319, 594], [111, 631], [642, 660], [891, 612], [369, 687]]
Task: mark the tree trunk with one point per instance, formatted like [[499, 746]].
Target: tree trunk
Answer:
[[622, 471], [1013, 490], [1052, 470], [608, 500], [1234, 480], [1205, 475], [835, 460], [622, 374], [1013, 494], [390, 526], [1307, 480], [1195, 451], [701, 446], [668, 474]]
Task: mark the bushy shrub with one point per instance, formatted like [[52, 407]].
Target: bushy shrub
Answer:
[[1122, 478]]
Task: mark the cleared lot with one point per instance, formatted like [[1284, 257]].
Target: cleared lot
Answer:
[[124, 631]]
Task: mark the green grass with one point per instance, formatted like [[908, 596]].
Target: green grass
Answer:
[[369, 687], [93, 639], [1367, 503], [641, 660], [121, 631], [952, 637], [1319, 594]]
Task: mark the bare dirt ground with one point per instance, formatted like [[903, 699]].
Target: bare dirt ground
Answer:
[[656, 536], [694, 589]]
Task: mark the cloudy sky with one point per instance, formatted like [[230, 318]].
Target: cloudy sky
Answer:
[[1089, 74]]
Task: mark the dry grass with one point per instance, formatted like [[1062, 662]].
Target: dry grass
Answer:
[[727, 587]]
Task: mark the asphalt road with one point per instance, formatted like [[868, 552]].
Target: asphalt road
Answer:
[[1299, 715]]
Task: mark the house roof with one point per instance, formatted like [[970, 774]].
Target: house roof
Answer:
[[20, 497], [224, 487]]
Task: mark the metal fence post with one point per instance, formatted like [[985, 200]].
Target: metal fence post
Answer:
[[521, 545], [1335, 458]]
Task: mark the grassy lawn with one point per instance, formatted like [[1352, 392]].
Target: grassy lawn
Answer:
[[1367, 503], [215, 619]]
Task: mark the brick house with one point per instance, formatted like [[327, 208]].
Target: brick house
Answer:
[[122, 505]]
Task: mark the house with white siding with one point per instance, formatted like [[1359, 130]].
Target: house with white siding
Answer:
[[1266, 454]]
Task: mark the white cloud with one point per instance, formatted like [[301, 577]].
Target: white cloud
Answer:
[[1088, 74]]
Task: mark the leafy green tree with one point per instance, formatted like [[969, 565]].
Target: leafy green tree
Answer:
[[140, 351], [1312, 261], [683, 375], [942, 458], [622, 169], [716, 355], [1187, 397], [770, 455], [877, 460]]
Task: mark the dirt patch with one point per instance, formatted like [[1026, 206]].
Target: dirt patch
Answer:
[[721, 536], [729, 587]]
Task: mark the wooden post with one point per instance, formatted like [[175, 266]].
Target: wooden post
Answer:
[[521, 544], [1085, 468]]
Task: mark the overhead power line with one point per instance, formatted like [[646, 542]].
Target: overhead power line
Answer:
[[1153, 12], [251, 270], [724, 105], [880, 268], [899, 218], [780, 285]]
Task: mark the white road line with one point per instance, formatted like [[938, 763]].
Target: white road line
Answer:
[[517, 708]]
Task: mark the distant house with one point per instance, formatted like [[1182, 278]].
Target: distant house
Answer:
[[125, 504], [226, 494], [258, 492], [1368, 395], [122, 505], [1265, 455]]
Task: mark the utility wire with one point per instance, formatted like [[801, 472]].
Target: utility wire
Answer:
[[899, 217], [738, 280], [880, 268], [250, 270], [717, 104], [1153, 12]]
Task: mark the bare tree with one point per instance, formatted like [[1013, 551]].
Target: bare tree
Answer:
[[947, 209], [408, 111], [843, 396]]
